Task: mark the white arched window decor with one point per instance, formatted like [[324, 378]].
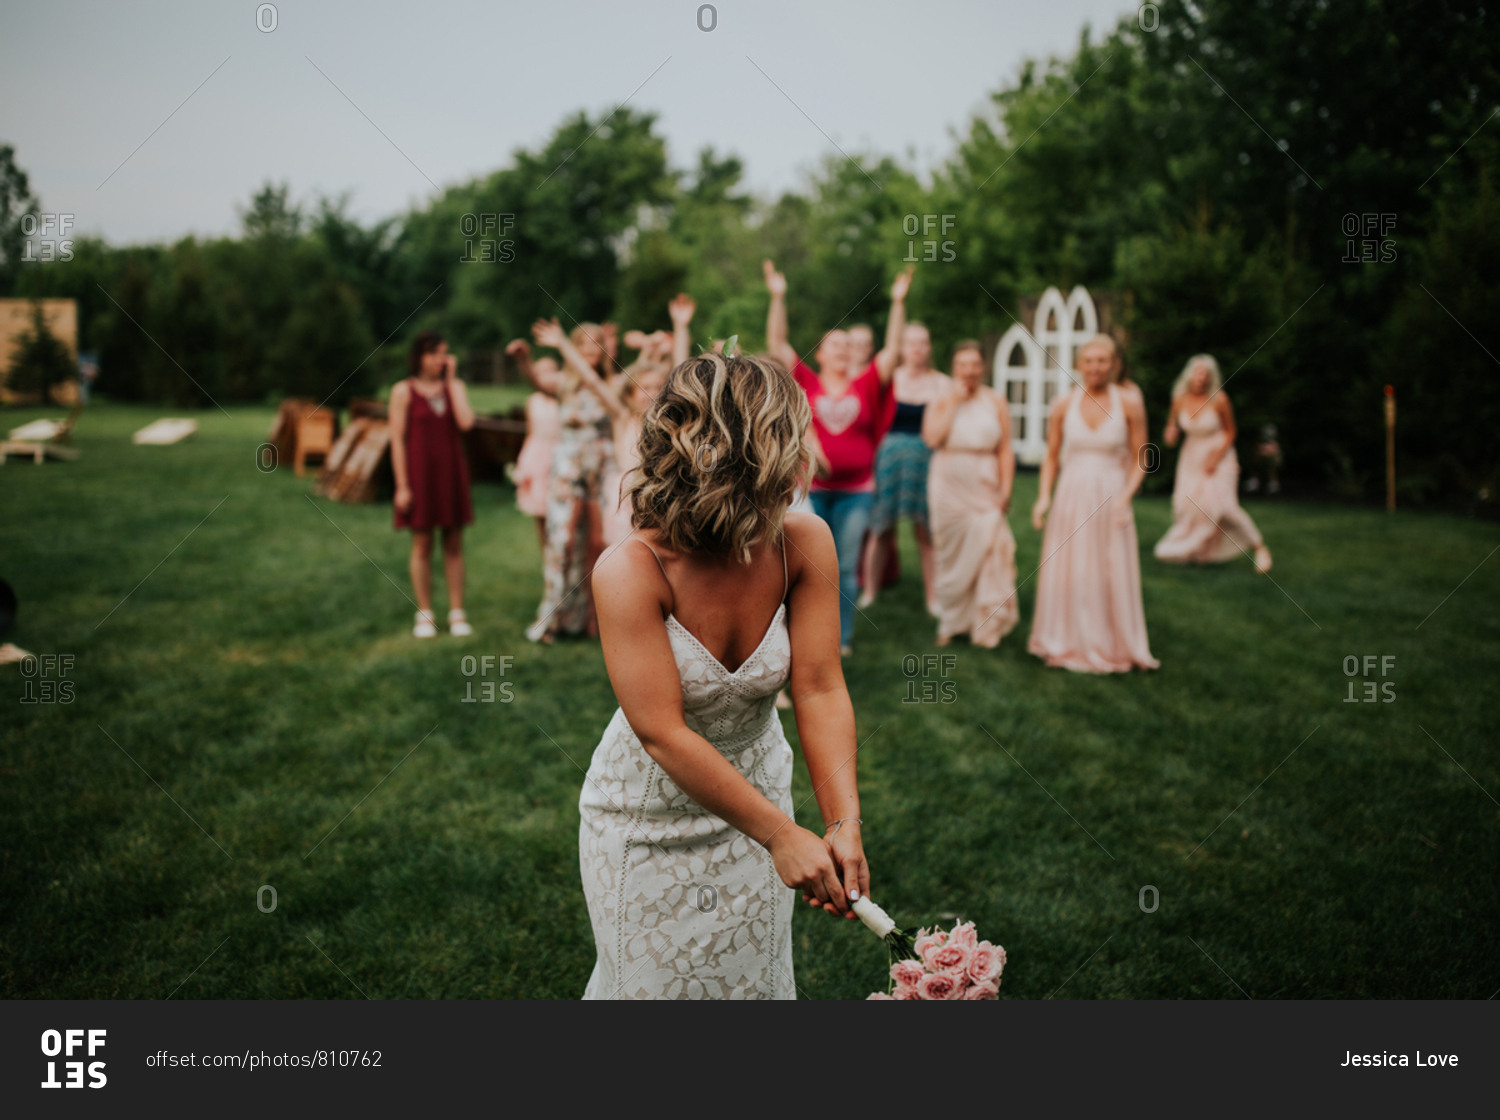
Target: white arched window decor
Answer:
[[1033, 365]]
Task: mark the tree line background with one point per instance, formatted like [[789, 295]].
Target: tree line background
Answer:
[[1216, 173]]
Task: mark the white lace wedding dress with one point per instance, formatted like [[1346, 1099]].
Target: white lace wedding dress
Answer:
[[683, 905]]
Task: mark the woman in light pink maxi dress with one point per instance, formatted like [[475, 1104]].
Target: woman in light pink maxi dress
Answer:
[[1208, 525], [1089, 613], [533, 468], [969, 483]]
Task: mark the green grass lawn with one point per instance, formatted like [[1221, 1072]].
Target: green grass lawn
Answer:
[[249, 710]]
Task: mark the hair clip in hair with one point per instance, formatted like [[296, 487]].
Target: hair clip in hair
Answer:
[[731, 344]]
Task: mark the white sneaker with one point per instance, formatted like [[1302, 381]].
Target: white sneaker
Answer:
[[424, 627], [458, 624]]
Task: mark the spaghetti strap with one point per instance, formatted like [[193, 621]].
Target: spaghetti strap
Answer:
[[660, 565], [785, 586]]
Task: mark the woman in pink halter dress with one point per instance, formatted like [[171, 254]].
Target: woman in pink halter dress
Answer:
[[1208, 525], [1089, 613], [968, 496]]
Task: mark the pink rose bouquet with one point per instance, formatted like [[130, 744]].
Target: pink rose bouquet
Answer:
[[938, 964]]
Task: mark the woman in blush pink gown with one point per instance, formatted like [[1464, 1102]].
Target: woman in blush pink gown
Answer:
[[533, 469], [968, 496], [1208, 525], [1089, 614]]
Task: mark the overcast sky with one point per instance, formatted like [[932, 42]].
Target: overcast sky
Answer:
[[435, 93]]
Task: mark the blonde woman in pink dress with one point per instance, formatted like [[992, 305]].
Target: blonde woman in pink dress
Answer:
[[969, 483], [1208, 525], [1089, 613], [533, 471]]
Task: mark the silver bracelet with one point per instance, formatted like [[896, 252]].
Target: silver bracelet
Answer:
[[837, 825]]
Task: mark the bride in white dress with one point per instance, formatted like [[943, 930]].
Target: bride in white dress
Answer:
[[690, 856]]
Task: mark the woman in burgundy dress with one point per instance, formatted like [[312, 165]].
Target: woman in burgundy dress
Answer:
[[428, 411]]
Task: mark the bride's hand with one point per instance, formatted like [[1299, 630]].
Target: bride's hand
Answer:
[[804, 862], [848, 853]]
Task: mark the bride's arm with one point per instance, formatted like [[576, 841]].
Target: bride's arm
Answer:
[[628, 596], [820, 698]]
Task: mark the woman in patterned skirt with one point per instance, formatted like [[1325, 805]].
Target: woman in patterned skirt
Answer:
[[575, 518]]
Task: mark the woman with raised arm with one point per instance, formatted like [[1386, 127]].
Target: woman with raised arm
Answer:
[[1090, 616], [429, 411], [635, 391], [575, 519], [690, 854], [852, 410], [968, 498], [901, 468], [1208, 525]]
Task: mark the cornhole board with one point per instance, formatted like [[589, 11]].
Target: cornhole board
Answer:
[[39, 440], [352, 471], [169, 430]]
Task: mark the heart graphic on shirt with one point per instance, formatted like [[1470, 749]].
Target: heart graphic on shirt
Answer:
[[837, 413]]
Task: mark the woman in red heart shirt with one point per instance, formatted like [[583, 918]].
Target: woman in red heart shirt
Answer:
[[852, 410]]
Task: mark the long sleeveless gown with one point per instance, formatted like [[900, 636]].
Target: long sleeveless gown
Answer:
[[1089, 613], [533, 473], [975, 551], [683, 905], [1208, 525]]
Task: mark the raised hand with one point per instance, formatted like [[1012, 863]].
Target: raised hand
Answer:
[[636, 340], [775, 281], [659, 344], [548, 332], [902, 284], [518, 348], [681, 309]]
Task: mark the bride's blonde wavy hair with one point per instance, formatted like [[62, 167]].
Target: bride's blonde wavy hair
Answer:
[[721, 451]]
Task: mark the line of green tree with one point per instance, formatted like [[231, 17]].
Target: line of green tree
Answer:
[[1302, 188]]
